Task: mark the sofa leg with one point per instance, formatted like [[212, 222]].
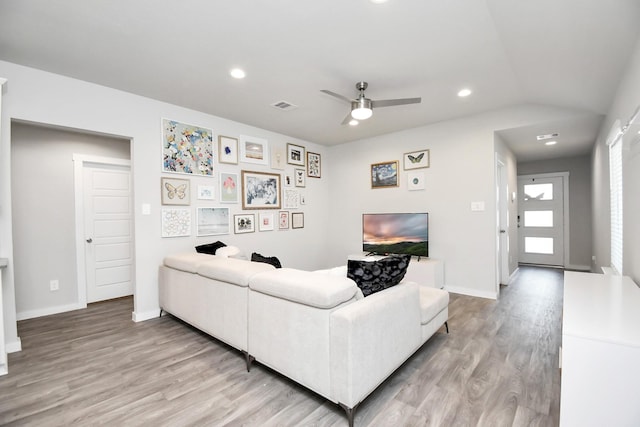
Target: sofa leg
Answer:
[[446, 325], [249, 360], [351, 412], [160, 313]]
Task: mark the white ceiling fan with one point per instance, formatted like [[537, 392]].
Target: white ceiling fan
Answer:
[[362, 107]]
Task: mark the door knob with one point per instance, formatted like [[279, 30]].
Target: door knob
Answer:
[[89, 240]]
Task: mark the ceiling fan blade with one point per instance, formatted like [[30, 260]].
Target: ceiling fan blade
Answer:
[[336, 95], [347, 119], [392, 102]]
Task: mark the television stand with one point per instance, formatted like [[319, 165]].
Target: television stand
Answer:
[[424, 271]]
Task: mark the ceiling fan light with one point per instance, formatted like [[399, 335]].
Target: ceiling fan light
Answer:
[[361, 113], [361, 109]]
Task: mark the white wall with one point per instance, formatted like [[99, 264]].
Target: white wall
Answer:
[[580, 217], [625, 103], [43, 211], [40, 97], [462, 171]]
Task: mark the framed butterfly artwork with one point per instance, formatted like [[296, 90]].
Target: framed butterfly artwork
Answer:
[[416, 160], [175, 191]]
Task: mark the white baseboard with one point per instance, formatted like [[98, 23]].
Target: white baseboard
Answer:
[[30, 314], [578, 267], [138, 316], [471, 292], [13, 346]]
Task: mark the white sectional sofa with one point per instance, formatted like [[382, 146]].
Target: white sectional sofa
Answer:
[[313, 327]]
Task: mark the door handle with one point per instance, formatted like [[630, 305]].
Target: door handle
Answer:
[[89, 240], [503, 231]]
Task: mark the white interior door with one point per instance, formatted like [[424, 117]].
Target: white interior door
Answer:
[[108, 231], [502, 223], [541, 220]]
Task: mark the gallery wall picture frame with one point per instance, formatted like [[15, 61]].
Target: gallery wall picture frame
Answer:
[[314, 169], [175, 222], [227, 149], [415, 181], [175, 191], [229, 187], [211, 221], [295, 154], [299, 177], [206, 192], [384, 174], [278, 156], [254, 150], [186, 148], [297, 220], [416, 160], [283, 220], [291, 198], [244, 223], [260, 190], [266, 221]]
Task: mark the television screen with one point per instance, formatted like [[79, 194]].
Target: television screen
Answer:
[[396, 233]]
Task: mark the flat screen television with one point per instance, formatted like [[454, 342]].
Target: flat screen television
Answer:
[[396, 233]]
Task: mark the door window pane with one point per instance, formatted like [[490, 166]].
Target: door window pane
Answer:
[[538, 245], [538, 191], [538, 218]]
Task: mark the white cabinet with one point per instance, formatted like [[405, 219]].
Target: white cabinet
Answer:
[[426, 271], [600, 351]]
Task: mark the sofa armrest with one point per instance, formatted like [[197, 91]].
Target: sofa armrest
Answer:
[[370, 339]]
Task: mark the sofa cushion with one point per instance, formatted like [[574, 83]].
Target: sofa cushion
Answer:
[[228, 251], [188, 261], [375, 276], [210, 248], [304, 287], [256, 257], [432, 302], [232, 270]]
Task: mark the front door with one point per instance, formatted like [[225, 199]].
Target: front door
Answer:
[[108, 231], [541, 219]]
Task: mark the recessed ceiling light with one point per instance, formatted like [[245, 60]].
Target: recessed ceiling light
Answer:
[[463, 93], [551, 143], [237, 73], [378, 1], [353, 122]]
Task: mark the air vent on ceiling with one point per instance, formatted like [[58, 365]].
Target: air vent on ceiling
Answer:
[[547, 136], [284, 105]]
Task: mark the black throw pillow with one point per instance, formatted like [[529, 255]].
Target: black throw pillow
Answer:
[[375, 276], [210, 248], [256, 257]]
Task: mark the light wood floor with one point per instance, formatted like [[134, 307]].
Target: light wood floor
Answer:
[[497, 367]]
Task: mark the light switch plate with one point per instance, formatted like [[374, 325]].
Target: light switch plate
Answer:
[[477, 206]]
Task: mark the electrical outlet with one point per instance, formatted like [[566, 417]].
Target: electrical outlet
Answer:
[[54, 285]]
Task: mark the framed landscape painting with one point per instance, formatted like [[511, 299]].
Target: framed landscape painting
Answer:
[[212, 221], [254, 150]]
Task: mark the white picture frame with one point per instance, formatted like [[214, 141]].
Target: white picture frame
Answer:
[[206, 192], [175, 222], [265, 221], [254, 150], [212, 221], [229, 186]]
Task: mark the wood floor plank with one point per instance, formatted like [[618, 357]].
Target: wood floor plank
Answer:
[[497, 367]]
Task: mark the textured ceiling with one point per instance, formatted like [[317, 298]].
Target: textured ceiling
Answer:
[[568, 54]]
